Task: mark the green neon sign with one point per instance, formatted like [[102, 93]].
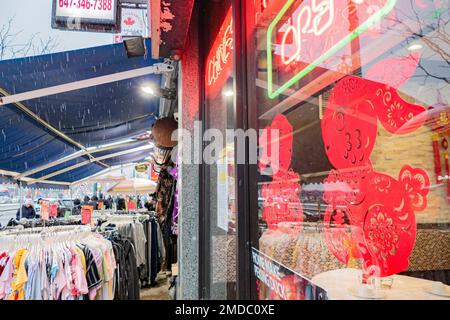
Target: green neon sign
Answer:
[[372, 20]]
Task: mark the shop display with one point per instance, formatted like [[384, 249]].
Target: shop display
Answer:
[[36, 266], [365, 158], [135, 252], [144, 233], [165, 197]]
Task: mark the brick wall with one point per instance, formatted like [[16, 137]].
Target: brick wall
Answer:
[[392, 152]]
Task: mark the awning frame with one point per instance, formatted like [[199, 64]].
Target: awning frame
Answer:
[[84, 163], [16, 100], [47, 125], [78, 154]]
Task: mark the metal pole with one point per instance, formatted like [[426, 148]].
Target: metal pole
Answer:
[[157, 68], [155, 24], [20, 200]]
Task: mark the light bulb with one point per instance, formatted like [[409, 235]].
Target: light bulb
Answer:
[[148, 90], [228, 93], [415, 47]]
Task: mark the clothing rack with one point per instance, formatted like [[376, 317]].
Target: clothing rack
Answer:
[[144, 232], [72, 220], [42, 236], [46, 263], [44, 231], [123, 231]]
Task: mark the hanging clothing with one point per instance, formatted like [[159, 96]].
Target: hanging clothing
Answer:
[[164, 193], [127, 278], [174, 173], [59, 271], [145, 236]]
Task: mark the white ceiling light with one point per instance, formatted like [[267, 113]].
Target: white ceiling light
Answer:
[[415, 47], [148, 90], [228, 93]]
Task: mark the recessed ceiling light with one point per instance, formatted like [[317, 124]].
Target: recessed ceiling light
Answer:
[[415, 47], [228, 93], [148, 90]]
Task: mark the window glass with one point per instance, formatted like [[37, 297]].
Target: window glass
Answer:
[[352, 100], [218, 156]]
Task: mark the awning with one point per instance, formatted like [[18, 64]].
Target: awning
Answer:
[[136, 185], [88, 117]]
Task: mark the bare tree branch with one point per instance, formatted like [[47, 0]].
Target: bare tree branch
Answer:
[[434, 35], [10, 47]]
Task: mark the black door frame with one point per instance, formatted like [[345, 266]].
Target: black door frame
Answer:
[[246, 174]]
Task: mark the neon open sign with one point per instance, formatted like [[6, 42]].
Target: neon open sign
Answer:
[[306, 36]]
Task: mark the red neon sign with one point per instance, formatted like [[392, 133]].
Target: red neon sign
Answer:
[[220, 58], [317, 33]]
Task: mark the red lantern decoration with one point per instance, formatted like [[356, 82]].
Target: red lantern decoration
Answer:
[[437, 159], [448, 180]]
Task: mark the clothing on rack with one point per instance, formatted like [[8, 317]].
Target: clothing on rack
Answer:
[[145, 236], [165, 197], [131, 228], [127, 278], [32, 223], [56, 263], [164, 194], [174, 173], [167, 231]]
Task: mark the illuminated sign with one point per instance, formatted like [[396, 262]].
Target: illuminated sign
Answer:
[[309, 35], [219, 63], [133, 24], [86, 15], [141, 168]]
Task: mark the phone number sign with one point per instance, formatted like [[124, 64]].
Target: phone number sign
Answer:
[[86, 15]]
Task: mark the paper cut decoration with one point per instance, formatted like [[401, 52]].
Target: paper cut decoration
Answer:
[[281, 196], [381, 229], [396, 115], [276, 144], [281, 200], [349, 126], [370, 216]]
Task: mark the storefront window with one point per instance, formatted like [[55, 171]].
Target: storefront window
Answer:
[[218, 157], [357, 202]]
